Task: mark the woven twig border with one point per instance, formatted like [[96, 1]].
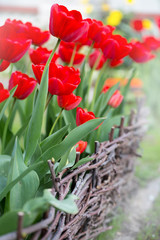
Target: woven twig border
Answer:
[[99, 184]]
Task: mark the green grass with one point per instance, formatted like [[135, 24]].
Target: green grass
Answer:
[[151, 229], [148, 167]]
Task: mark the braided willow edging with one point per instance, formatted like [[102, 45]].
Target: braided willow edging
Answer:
[[99, 185]]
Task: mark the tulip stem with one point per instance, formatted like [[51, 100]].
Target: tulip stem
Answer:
[[51, 56], [80, 88], [6, 125], [54, 124], [73, 56], [48, 100], [90, 76], [96, 85]]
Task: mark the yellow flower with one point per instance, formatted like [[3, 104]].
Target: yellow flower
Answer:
[[147, 24], [105, 7], [89, 8], [130, 1], [114, 18]]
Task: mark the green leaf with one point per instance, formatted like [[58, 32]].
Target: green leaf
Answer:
[[81, 162], [67, 205], [9, 186], [53, 139], [120, 109], [9, 220], [4, 169], [35, 125], [107, 125], [67, 160], [27, 187], [101, 106], [72, 138], [62, 162], [7, 102], [19, 133], [69, 119]]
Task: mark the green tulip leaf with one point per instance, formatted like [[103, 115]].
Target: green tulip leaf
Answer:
[[35, 125], [24, 189]]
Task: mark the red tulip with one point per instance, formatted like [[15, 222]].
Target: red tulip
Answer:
[[67, 25], [137, 25], [4, 93], [83, 116], [93, 58], [4, 65], [116, 99], [98, 32], [62, 80], [81, 146], [139, 53], [13, 43], [68, 102], [37, 36], [41, 55], [25, 84], [158, 22], [151, 43], [66, 51], [15, 30], [116, 47]]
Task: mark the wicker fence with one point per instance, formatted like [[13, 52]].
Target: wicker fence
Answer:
[[99, 185]]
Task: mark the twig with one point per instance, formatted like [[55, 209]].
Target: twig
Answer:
[[20, 225]]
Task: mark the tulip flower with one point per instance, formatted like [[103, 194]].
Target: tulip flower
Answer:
[[98, 32], [13, 43], [4, 93], [41, 55], [67, 25], [3, 65], [25, 84], [37, 36], [83, 116], [62, 80], [68, 102], [93, 58], [151, 43], [137, 25], [116, 47], [116, 99], [81, 146], [66, 50], [140, 53]]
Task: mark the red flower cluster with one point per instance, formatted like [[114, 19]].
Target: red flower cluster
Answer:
[[62, 80], [83, 116], [94, 57], [25, 84], [116, 48], [67, 25], [151, 43], [81, 146], [137, 25], [66, 51], [140, 53], [116, 98], [41, 55], [4, 93], [68, 102], [16, 38]]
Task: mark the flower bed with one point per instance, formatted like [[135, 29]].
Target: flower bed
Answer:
[[51, 122], [99, 185]]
